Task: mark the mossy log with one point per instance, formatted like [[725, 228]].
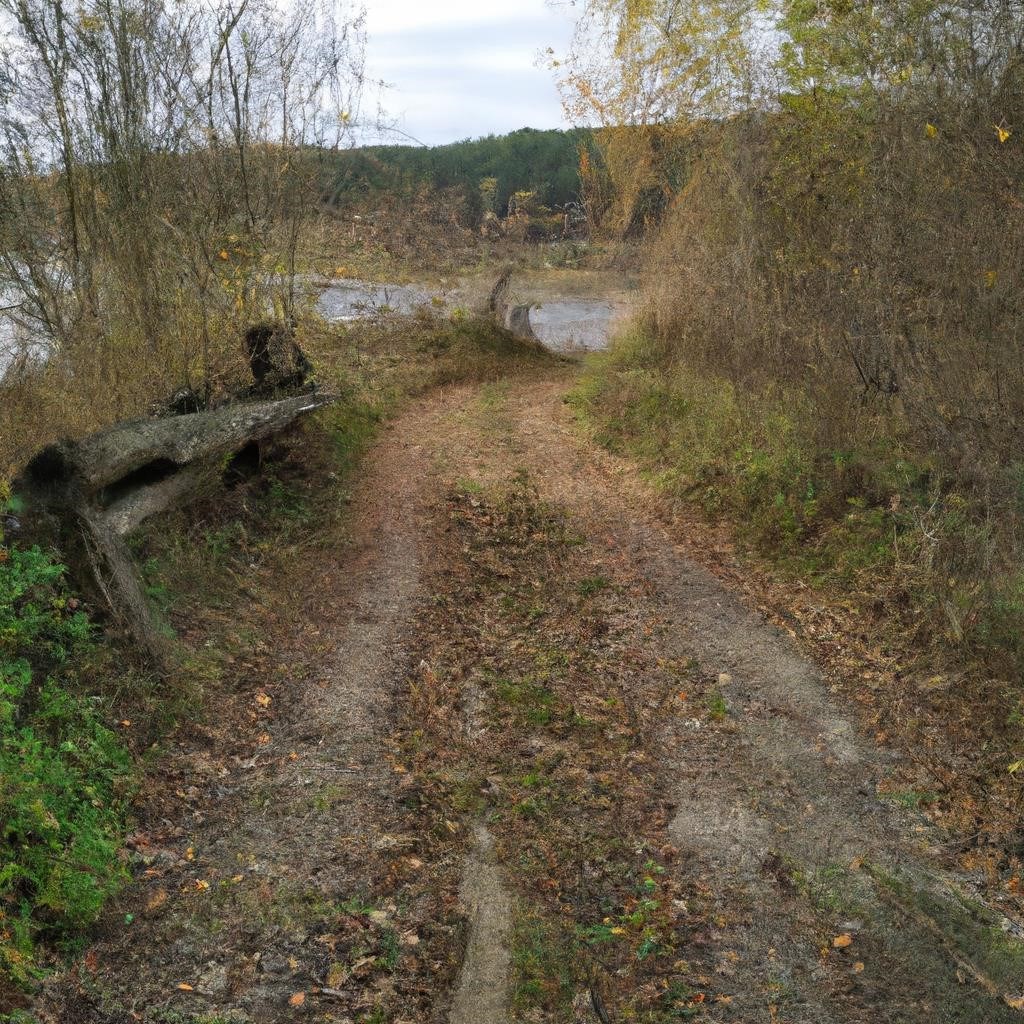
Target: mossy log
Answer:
[[104, 486]]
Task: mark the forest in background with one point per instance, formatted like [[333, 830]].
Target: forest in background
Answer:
[[485, 172]]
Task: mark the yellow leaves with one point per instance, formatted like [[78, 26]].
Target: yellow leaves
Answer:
[[263, 700], [202, 885], [858, 967], [156, 901], [297, 999], [184, 986], [842, 941], [1015, 766], [991, 276], [190, 853], [930, 130], [1002, 133], [618, 930], [223, 255]]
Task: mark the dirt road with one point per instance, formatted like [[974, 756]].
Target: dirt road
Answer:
[[524, 760]]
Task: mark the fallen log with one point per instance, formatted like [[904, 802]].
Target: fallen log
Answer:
[[103, 487]]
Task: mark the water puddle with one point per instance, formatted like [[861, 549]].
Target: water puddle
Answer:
[[573, 325], [349, 299]]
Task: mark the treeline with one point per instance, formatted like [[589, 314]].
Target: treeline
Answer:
[[830, 345], [484, 173]]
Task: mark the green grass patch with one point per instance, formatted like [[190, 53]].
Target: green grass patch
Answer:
[[532, 702], [545, 965], [65, 777]]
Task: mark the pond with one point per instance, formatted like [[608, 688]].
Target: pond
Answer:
[[563, 325]]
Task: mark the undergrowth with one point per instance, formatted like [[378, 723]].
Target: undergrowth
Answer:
[[865, 515], [65, 776], [868, 519]]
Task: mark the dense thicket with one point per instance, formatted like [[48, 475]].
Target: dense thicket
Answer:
[[486, 172], [835, 288]]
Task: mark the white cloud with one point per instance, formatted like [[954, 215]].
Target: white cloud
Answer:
[[467, 68]]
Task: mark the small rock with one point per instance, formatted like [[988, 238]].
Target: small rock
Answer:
[[213, 981], [275, 965]]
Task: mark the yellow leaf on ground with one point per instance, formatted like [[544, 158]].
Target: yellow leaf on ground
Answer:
[[842, 941], [157, 900], [298, 999], [185, 986]]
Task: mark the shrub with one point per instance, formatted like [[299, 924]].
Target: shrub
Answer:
[[64, 776]]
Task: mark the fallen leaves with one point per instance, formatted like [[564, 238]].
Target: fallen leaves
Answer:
[[842, 941], [156, 901], [297, 999]]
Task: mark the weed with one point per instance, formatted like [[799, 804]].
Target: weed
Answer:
[[718, 708], [533, 702], [592, 585], [66, 777], [543, 964], [389, 949]]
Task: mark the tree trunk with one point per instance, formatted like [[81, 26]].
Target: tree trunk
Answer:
[[103, 487]]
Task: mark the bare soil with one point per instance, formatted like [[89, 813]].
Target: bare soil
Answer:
[[514, 754]]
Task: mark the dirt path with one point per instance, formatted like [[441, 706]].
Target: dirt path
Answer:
[[830, 906], [265, 888], [526, 761]]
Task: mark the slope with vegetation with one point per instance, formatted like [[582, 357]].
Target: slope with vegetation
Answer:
[[828, 352]]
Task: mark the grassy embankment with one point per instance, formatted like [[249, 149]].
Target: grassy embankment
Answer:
[[916, 561], [80, 721]]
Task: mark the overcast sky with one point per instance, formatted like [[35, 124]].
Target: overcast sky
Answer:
[[464, 68]]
